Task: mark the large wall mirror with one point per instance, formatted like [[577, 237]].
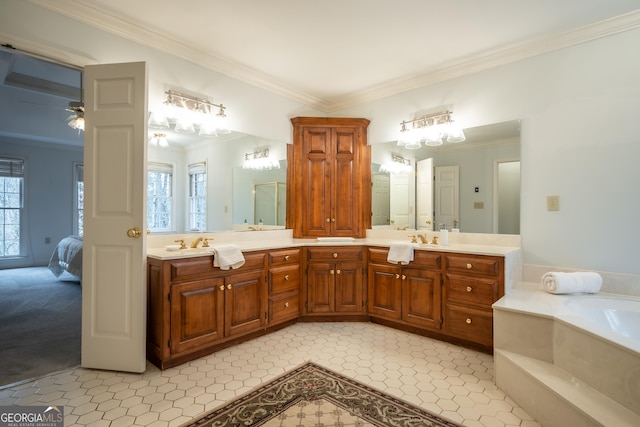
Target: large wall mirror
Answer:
[[238, 198], [472, 186]]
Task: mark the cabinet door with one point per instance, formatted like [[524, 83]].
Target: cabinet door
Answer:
[[245, 303], [315, 193], [321, 288], [348, 288], [345, 182], [384, 296], [197, 314], [421, 301]]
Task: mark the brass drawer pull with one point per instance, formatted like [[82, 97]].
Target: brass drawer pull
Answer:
[[468, 321], [469, 266], [286, 277], [335, 255], [397, 276], [286, 257], [222, 287], [229, 286], [404, 277], [286, 304], [469, 288]]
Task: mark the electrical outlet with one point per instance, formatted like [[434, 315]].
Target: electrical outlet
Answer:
[[553, 203]]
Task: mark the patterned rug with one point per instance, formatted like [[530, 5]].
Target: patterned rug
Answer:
[[315, 396]]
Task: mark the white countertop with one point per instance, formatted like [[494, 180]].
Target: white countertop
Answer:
[[255, 245]]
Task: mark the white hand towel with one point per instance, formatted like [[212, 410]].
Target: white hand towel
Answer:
[[227, 256], [401, 252], [569, 283]]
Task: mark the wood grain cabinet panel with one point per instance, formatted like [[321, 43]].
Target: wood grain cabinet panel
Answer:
[[285, 282], [329, 177]]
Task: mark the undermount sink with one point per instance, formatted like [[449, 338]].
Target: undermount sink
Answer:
[[190, 251]]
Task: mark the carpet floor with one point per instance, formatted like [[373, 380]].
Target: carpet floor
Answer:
[[40, 323], [315, 396]]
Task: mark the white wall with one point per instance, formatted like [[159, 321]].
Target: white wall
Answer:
[[579, 109]]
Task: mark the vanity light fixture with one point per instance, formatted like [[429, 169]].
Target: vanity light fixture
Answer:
[[189, 113], [429, 129], [260, 160], [398, 165], [159, 139]]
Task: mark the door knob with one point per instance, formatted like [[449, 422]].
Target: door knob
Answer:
[[134, 232]]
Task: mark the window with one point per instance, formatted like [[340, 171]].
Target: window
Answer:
[[11, 205], [78, 181], [198, 197], [159, 196]]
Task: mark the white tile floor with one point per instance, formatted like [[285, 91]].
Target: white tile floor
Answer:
[[445, 379]]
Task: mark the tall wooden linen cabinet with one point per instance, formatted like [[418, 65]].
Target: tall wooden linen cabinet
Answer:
[[329, 178]]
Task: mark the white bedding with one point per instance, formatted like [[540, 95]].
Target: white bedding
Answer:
[[67, 256]]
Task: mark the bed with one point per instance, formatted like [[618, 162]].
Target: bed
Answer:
[[67, 256]]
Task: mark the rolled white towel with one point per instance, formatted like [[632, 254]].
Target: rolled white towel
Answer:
[[569, 283]]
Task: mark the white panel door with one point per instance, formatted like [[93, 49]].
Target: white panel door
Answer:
[[399, 197], [447, 200], [424, 194], [380, 199], [114, 273]]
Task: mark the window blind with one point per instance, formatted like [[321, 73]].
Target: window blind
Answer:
[[13, 168]]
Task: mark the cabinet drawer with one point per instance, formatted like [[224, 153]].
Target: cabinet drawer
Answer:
[[191, 267], [421, 258], [474, 290], [335, 253], [284, 278], [284, 307], [203, 266], [287, 256], [486, 265], [470, 324]]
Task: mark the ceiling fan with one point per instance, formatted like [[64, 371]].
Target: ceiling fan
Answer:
[[76, 120]]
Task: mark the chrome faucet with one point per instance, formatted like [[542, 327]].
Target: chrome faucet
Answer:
[[194, 244]]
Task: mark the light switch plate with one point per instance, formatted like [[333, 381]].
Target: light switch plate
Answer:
[[553, 203]]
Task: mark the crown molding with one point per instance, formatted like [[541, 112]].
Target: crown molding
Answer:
[[469, 65]]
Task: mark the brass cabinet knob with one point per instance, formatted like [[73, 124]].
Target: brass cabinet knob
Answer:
[[331, 272], [286, 277], [286, 257], [333, 220], [229, 286], [404, 277], [468, 321], [397, 276], [337, 271], [328, 220], [286, 304], [469, 266], [222, 287], [469, 288], [335, 255]]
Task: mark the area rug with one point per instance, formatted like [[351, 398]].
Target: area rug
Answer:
[[315, 396]]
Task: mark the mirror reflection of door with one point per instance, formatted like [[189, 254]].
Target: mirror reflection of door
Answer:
[[447, 200], [269, 203], [399, 195], [380, 207], [424, 194], [507, 211]]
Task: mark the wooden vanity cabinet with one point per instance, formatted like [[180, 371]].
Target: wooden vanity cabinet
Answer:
[[408, 294], [472, 284], [284, 285], [329, 178], [194, 307], [334, 283]]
